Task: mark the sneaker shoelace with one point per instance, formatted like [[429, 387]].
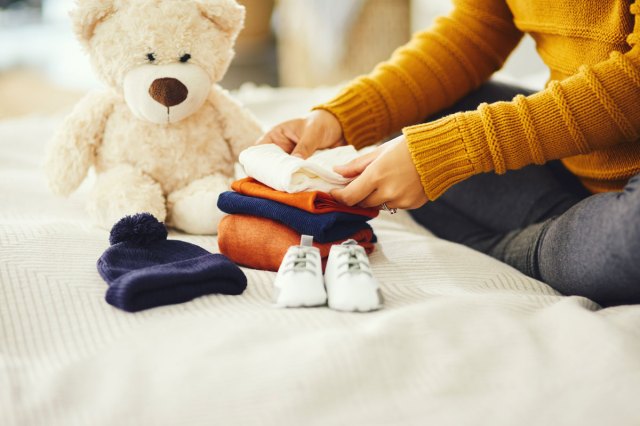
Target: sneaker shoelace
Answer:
[[354, 261], [301, 260]]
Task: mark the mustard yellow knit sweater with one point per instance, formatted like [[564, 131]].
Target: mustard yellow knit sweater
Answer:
[[588, 115]]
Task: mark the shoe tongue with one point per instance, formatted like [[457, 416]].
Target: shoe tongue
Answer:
[[306, 241]]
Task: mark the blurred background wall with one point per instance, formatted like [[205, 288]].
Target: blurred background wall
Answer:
[[301, 43]]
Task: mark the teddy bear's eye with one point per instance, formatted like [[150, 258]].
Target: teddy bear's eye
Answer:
[[185, 58], [151, 57]]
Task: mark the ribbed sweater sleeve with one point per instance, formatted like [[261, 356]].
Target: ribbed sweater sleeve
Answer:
[[594, 109], [434, 70]]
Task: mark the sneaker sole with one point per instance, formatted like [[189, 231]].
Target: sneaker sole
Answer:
[[347, 305], [300, 295]]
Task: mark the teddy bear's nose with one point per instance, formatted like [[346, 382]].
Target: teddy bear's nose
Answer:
[[168, 91]]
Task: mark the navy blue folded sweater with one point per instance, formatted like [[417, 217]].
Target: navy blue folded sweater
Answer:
[[324, 228]]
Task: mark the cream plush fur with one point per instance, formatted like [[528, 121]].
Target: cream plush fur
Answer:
[[165, 137]]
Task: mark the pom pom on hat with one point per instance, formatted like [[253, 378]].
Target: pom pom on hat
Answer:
[[141, 229], [144, 270]]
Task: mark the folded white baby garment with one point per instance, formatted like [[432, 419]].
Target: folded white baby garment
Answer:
[[273, 167]]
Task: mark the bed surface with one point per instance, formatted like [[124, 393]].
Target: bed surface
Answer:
[[463, 339]]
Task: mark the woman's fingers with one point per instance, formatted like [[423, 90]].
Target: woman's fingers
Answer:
[[375, 199], [321, 130], [389, 178], [285, 135], [355, 192], [303, 136], [357, 166], [284, 142], [307, 145]]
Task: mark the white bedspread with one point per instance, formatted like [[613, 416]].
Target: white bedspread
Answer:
[[463, 339]]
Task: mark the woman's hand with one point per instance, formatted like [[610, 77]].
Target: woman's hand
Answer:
[[303, 136], [386, 175]]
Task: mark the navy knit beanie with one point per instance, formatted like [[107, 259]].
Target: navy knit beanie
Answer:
[[145, 270]]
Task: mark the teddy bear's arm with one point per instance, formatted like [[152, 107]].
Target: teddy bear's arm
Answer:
[[241, 128], [72, 150]]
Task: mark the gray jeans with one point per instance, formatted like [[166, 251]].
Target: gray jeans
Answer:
[[541, 220]]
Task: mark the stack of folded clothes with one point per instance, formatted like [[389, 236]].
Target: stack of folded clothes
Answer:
[[263, 223]]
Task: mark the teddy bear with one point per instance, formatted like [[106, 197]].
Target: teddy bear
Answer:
[[163, 136]]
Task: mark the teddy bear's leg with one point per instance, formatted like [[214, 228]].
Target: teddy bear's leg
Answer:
[[123, 191], [193, 208]]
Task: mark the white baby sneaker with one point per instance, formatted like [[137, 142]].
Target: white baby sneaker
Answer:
[[349, 280], [299, 280]]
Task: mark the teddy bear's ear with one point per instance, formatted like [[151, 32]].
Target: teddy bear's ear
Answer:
[[87, 15], [226, 14]]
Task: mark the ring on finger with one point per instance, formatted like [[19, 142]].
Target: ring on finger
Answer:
[[387, 209]]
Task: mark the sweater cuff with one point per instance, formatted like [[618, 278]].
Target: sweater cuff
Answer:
[[362, 114], [447, 151]]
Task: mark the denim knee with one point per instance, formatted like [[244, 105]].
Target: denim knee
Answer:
[[593, 249], [627, 204], [621, 250]]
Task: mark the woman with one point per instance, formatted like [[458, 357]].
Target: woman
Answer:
[[489, 178]]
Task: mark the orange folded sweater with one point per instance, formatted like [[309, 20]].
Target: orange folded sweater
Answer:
[[261, 243], [312, 201]]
